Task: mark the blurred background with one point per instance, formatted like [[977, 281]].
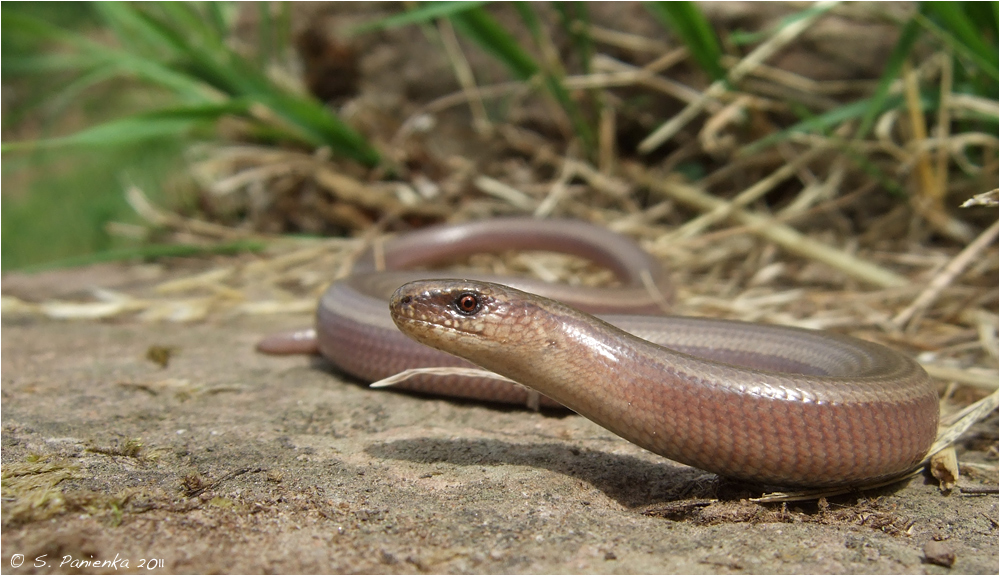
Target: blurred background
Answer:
[[324, 119]]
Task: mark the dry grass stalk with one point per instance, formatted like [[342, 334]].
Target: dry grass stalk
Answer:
[[784, 236], [736, 73], [465, 76], [910, 316], [632, 42], [745, 198]]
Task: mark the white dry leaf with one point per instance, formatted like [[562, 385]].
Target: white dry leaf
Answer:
[[211, 278], [105, 295], [63, 310], [11, 305], [85, 310], [267, 307], [442, 371], [187, 310], [944, 467]]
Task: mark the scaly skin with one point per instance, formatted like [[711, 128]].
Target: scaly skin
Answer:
[[769, 404]]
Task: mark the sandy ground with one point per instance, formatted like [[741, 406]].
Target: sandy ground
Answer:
[[228, 461]]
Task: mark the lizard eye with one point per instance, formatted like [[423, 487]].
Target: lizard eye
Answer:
[[467, 304]]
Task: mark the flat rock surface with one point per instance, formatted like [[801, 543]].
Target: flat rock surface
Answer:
[[229, 461]]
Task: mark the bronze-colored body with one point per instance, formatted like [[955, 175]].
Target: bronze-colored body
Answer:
[[770, 404], [764, 403]]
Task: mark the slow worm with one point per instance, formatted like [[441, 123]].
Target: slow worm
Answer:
[[769, 404]]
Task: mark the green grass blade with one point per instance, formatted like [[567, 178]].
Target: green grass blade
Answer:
[[421, 15], [218, 18], [553, 74], [907, 38], [741, 38], [93, 55], [309, 121], [192, 44], [44, 64], [319, 126], [124, 130], [196, 25], [210, 63], [136, 33], [965, 55], [984, 16], [201, 71], [265, 34], [686, 20], [186, 88], [73, 91], [479, 26], [20, 24], [954, 19], [139, 127], [822, 123], [574, 18]]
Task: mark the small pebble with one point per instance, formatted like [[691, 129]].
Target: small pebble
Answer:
[[939, 553]]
